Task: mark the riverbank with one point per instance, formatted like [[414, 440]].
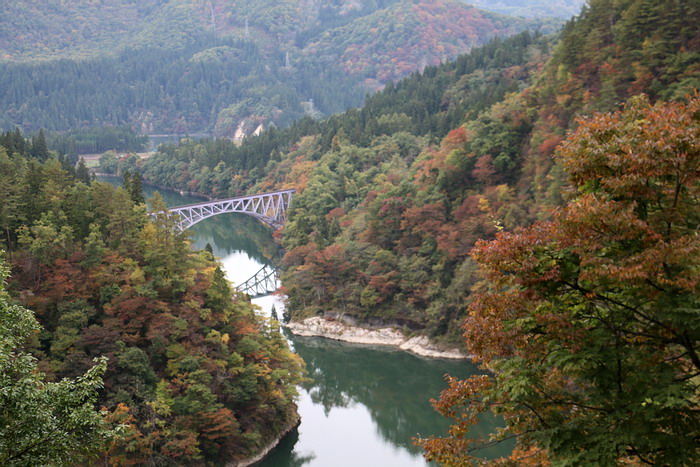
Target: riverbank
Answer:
[[334, 329], [268, 447]]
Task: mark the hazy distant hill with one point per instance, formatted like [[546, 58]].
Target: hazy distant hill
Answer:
[[222, 66], [48, 28], [531, 8], [394, 41]]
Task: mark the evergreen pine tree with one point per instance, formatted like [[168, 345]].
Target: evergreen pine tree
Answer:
[[19, 145], [82, 173], [65, 164], [126, 181], [135, 189], [39, 148]]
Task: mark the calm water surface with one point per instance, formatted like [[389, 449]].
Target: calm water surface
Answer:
[[363, 404]]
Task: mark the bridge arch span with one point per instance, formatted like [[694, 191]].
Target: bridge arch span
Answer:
[[271, 208]]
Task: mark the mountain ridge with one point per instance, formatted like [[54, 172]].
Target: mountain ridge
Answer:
[[230, 64]]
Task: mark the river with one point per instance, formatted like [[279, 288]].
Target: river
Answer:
[[363, 404]]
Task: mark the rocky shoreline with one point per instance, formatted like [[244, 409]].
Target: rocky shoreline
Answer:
[[334, 329]]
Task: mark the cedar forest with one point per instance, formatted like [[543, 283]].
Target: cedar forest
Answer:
[[533, 201]]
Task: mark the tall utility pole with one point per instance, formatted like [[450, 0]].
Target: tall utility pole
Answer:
[[287, 65], [247, 33]]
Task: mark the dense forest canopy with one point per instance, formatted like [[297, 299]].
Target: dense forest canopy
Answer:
[[41, 29], [191, 374], [431, 103], [34, 411], [589, 321]]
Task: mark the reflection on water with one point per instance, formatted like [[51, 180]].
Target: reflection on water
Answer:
[[363, 404], [231, 233]]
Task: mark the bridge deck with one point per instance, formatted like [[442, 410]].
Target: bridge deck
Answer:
[[225, 200], [270, 208]]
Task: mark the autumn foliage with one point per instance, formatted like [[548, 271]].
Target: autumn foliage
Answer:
[[590, 321], [193, 374]]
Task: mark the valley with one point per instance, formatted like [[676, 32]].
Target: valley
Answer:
[[520, 188]]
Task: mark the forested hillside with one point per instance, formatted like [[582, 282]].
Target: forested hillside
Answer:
[[350, 248], [83, 28], [389, 236], [215, 85], [588, 320], [425, 104], [588, 316], [390, 43], [394, 195], [192, 373], [222, 67]]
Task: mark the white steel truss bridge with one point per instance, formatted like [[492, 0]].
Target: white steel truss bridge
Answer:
[[270, 208], [265, 282]]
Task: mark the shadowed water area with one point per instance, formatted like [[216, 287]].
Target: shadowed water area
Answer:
[[363, 404]]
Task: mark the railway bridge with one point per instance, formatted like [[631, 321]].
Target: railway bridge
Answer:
[[270, 208]]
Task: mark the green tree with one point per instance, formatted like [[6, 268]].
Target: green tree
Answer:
[[44, 423], [591, 323], [109, 162], [135, 188], [11, 193], [39, 148], [163, 243], [82, 173], [126, 181]]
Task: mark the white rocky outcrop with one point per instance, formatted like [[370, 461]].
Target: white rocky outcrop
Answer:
[[331, 329]]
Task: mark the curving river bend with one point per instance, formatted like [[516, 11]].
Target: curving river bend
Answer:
[[364, 404]]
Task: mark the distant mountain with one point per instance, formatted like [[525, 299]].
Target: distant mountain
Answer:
[[394, 41], [49, 29], [220, 66], [81, 28]]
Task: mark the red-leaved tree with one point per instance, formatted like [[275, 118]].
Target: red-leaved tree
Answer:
[[590, 322]]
